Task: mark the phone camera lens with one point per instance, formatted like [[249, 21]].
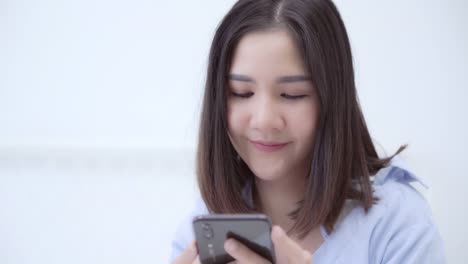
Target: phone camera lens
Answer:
[[207, 231]]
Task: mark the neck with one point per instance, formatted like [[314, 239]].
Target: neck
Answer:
[[279, 198]]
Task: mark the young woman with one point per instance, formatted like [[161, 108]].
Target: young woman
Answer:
[[282, 134]]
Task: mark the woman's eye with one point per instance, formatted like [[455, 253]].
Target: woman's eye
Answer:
[[287, 96], [293, 97], [242, 95]]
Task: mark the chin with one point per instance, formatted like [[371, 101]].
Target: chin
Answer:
[[267, 175]]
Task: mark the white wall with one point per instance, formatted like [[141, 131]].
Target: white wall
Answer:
[[99, 105]]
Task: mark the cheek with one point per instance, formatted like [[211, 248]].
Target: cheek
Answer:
[[303, 122], [236, 118], [236, 126]]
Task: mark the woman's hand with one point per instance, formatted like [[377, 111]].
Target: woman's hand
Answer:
[[287, 251], [189, 256]]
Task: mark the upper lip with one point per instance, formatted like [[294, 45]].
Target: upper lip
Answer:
[[268, 143]]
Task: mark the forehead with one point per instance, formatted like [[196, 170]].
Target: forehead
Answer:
[[267, 53]]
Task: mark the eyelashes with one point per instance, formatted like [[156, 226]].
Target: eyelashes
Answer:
[[250, 94], [293, 97], [242, 95]]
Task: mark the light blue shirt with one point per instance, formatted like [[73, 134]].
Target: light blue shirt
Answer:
[[398, 229]]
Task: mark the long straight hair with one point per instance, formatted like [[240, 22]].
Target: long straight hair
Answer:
[[344, 156]]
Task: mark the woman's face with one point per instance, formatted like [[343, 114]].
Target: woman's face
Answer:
[[272, 106]]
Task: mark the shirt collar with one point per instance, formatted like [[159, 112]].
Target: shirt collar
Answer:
[[397, 170]]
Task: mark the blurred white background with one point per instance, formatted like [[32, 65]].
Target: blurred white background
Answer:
[[99, 109]]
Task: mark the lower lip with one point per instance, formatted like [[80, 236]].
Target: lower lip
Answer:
[[266, 148]]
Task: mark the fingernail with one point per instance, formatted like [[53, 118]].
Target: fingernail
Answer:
[[231, 245]]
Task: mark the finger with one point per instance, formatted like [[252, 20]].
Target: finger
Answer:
[[188, 256], [288, 248], [242, 253]]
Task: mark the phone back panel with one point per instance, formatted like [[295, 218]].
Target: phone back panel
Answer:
[[211, 231]]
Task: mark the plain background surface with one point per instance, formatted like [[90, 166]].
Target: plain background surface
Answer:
[[99, 108]]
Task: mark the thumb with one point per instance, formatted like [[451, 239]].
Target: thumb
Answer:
[[188, 256], [288, 248]]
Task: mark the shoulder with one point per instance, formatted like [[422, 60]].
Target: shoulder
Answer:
[[399, 228], [183, 236], [403, 227], [398, 200]]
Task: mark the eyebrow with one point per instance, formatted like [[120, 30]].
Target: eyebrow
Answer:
[[282, 79]]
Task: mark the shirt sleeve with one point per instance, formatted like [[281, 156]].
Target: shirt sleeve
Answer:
[[406, 231], [176, 250], [415, 244], [183, 236]]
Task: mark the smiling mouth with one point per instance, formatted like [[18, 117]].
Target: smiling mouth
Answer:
[[269, 146]]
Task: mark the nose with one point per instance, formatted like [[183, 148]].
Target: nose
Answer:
[[266, 116]]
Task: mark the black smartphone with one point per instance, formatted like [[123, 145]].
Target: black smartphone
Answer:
[[252, 230]]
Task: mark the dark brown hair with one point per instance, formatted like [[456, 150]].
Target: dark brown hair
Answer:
[[344, 156]]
